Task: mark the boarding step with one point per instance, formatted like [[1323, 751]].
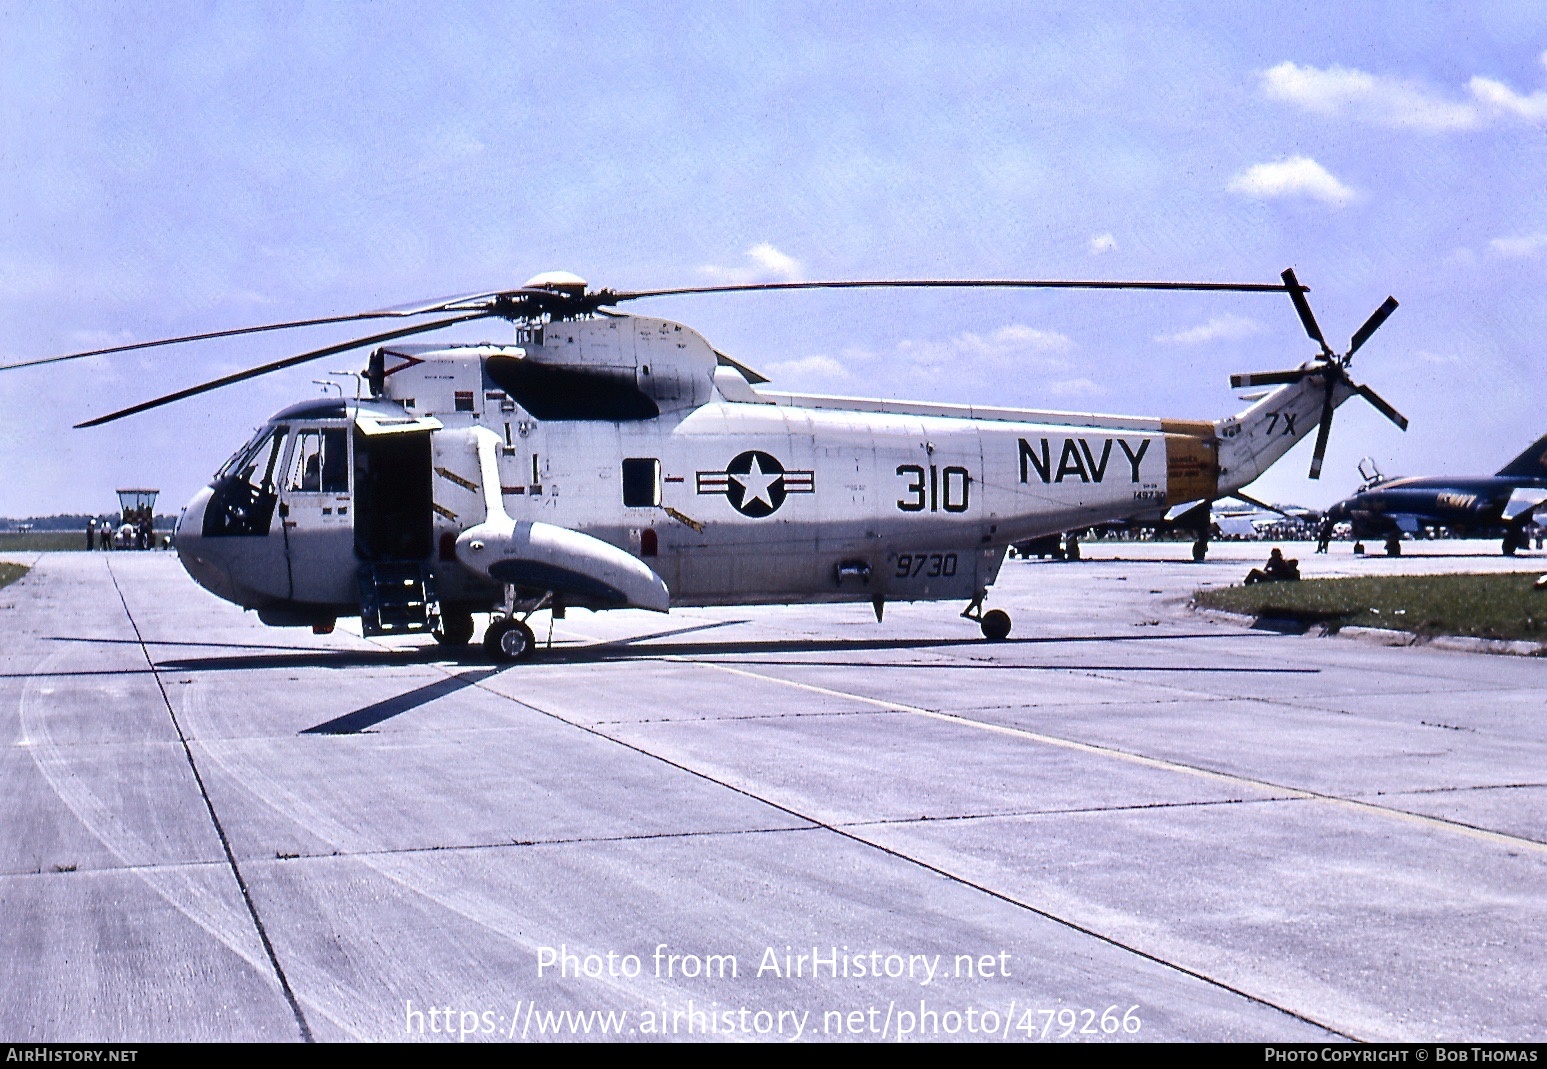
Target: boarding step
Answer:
[[397, 598]]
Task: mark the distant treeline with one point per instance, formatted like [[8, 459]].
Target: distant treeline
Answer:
[[74, 522]]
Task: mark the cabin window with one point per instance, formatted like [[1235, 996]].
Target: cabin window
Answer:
[[641, 482], [319, 463]]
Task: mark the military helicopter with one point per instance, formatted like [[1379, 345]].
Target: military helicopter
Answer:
[[607, 460]]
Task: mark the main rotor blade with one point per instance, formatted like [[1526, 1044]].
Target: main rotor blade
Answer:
[[1382, 406], [614, 297], [1268, 378], [1297, 294], [439, 305], [1371, 325], [278, 365], [1323, 431]]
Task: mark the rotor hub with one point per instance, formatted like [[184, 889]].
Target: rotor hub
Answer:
[[571, 285]]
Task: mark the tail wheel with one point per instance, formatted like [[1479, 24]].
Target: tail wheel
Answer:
[[456, 629], [995, 625], [509, 640]]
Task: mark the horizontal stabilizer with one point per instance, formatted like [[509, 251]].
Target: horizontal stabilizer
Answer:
[[1175, 512], [1522, 501]]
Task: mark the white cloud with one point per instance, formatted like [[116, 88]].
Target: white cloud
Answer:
[[1524, 245], [1372, 98], [1067, 388], [917, 367], [1220, 328], [809, 368], [1387, 101], [1012, 344], [1102, 243], [768, 264], [1298, 176], [1502, 98]]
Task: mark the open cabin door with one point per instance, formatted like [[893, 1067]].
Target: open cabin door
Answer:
[[393, 491]]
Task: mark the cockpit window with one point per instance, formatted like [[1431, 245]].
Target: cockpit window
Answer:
[[320, 462], [257, 470], [243, 502], [244, 455]]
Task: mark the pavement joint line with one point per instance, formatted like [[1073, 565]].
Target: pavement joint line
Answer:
[[1097, 671], [1474, 787], [110, 870], [927, 866], [735, 719], [460, 848], [1455, 826], [220, 831], [1022, 814]]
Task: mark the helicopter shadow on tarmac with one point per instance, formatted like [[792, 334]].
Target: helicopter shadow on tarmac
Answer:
[[637, 650], [758, 652]]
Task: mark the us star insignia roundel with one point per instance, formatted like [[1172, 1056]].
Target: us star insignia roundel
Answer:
[[755, 483]]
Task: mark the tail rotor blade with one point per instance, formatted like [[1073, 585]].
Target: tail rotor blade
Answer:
[[1382, 406], [1372, 324], [1322, 432], [1266, 378], [1297, 295]]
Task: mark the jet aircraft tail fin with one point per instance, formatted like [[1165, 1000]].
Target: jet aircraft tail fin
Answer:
[[1532, 464]]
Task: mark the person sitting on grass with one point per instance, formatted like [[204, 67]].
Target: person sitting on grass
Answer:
[[1277, 570]]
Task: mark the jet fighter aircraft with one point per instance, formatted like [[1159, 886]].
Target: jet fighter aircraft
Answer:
[[1477, 506]]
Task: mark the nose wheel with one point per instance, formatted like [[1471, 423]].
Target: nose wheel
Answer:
[[509, 640], [456, 628], [995, 624]]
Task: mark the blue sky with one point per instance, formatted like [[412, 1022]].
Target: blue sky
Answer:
[[173, 168]]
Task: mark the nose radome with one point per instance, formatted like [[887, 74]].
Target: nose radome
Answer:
[[190, 525], [195, 551]]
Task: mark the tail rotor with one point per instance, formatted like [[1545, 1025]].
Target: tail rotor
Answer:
[[1331, 368]]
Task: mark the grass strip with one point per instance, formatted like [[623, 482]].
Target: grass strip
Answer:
[[1500, 605]]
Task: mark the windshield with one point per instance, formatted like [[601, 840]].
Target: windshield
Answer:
[[254, 462]]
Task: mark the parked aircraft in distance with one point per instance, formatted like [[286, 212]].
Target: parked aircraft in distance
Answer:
[[1475, 506]]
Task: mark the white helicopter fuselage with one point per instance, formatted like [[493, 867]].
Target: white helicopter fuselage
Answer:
[[618, 461]]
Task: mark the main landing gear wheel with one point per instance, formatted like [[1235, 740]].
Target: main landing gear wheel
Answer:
[[509, 640], [456, 629], [995, 625]]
